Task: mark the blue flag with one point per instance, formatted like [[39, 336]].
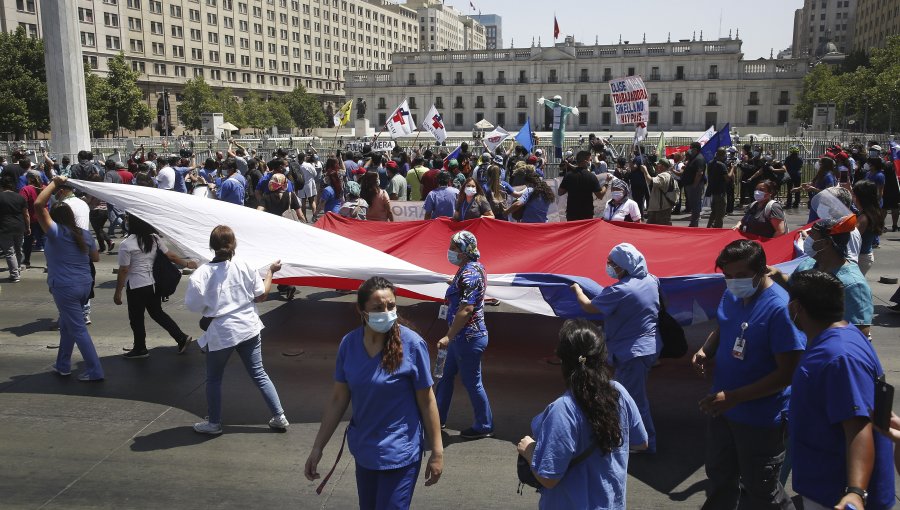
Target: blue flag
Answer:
[[721, 139], [523, 137]]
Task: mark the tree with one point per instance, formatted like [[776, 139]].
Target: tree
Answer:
[[256, 112], [819, 86], [127, 108], [197, 98], [24, 105], [304, 108], [96, 90], [281, 116], [231, 108]]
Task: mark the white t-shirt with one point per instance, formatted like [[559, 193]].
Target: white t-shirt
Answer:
[[308, 170], [853, 246], [82, 212], [625, 209], [165, 179], [226, 291], [140, 264]]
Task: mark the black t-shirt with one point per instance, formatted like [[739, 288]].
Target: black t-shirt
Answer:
[[717, 172], [698, 164], [11, 219], [580, 185], [278, 204], [15, 168]]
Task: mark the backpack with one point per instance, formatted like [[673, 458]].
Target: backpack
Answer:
[[165, 274], [295, 175], [671, 194]]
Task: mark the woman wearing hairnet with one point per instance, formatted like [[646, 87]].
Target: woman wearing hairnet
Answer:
[[630, 309]]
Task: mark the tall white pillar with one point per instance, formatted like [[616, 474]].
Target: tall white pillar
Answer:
[[65, 77]]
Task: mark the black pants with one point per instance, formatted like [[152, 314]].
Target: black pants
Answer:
[[144, 298], [98, 219], [729, 197], [793, 199]]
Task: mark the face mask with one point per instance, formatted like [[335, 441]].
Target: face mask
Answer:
[[866, 167], [618, 195], [816, 166], [470, 190], [759, 196], [611, 272], [741, 287], [755, 154], [874, 154], [382, 322], [454, 257], [808, 247]]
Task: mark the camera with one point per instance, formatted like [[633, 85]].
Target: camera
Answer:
[[186, 153]]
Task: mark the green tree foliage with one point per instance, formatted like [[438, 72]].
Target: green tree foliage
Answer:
[[96, 89], [127, 108], [304, 108], [257, 113], [197, 98], [23, 85], [230, 108]]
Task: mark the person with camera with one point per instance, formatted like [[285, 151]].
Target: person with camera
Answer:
[[663, 192], [580, 443]]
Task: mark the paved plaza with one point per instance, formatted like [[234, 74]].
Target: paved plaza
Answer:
[[127, 443]]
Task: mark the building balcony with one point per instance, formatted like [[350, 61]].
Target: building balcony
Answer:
[[584, 79], [712, 102], [607, 104], [459, 81], [501, 81], [552, 79], [654, 103], [500, 105], [522, 79], [712, 76], [654, 77], [479, 105], [753, 102], [521, 104], [479, 81], [458, 105], [783, 101], [439, 82], [410, 83], [677, 103]]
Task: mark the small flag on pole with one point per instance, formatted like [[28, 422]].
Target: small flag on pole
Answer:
[[524, 136], [555, 27], [400, 122], [343, 115], [434, 124]]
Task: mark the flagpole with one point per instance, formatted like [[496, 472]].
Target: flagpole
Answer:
[[418, 132], [336, 129]]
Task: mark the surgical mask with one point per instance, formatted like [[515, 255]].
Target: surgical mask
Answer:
[[808, 248], [618, 195], [382, 322], [874, 154], [611, 272], [866, 167], [470, 190], [454, 257], [742, 288], [759, 195]]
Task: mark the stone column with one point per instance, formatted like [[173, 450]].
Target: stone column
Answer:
[[65, 77]]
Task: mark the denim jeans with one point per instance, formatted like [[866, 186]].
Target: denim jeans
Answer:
[[11, 248], [250, 351], [72, 330], [116, 219], [464, 358], [632, 375]]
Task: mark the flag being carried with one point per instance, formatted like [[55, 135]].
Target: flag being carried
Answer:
[[400, 122], [720, 139], [343, 115], [707, 135], [434, 124], [524, 138], [495, 138]]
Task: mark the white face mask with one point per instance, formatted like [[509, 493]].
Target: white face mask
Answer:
[[382, 322], [470, 191], [742, 288], [759, 195], [866, 167], [808, 248], [611, 272], [454, 257], [618, 195]]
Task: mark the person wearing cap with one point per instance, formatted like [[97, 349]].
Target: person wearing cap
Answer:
[[663, 193], [467, 335], [630, 307], [397, 184], [457, 177], [692, 181], [354, 207], [414, 178], [541, 162], [794, 165]]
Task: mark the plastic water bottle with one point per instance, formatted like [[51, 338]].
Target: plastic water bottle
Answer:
[[439, 363]]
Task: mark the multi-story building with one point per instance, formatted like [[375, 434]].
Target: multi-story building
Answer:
[[267, 46], [443, 28], [822, 21], [876, 20], [692, 85], [493, 30]]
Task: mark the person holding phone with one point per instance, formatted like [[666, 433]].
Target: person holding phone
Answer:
[[838, 459]]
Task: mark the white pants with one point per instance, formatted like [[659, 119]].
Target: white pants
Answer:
[[865, 262]]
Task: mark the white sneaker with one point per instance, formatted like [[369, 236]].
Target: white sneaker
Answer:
[[205, 427], [279, 422]]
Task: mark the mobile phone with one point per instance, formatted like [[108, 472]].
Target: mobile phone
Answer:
[[884, 401]]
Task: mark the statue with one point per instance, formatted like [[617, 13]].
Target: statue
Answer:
[[560, 115], [329, 113], [360, 108]]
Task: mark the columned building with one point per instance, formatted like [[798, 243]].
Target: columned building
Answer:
[[692, 85]]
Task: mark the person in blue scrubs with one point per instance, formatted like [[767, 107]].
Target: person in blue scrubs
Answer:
[[756, 349], [630, 309], [467, 336], [333, 194], [383, 369], [839, 459], [594, 417], [441, 201], [535, 199], [69, 251], [233, 188]]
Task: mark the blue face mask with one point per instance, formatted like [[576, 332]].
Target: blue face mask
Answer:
[[454, 257], [382, 322]]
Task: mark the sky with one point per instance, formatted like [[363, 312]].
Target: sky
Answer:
[[763, 24]]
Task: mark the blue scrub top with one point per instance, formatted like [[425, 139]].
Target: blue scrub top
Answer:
[[769, 332], [232, 191], [858, 306], [67, 266], [441, 202], [562, 433], [630, 309], [536, 209], [332, 203], [180, 172], [468, 287], [834, 382], [386, 430]]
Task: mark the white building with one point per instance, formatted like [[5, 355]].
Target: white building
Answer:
[[442, 27], [823, 21], [692, 85]]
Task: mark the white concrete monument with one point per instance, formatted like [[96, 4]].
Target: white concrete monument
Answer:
[[65, 77]]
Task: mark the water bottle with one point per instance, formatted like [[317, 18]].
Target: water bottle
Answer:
[[439, 363]]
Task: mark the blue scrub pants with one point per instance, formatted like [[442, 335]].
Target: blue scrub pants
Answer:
[[70, 301], [250, 352], [464, 357], [632, 375], [389, 489]]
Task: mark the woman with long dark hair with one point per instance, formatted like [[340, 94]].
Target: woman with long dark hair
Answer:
[[136, 257], [34, 237], [579, 452], [823, 179], [333, 194], [869, 221], [377, 198], [70, 251], [383, 369], [225, 292], [535, 201], [471, 203]]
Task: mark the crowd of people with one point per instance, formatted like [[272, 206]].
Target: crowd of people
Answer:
[[794, 370]]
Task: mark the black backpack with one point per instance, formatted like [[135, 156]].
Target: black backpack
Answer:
[[295, 175], [165, 274]]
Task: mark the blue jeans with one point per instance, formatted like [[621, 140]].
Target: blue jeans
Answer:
[[464, 357], [72, 330], [115, 220], [250, 351], [632, 375], [390, 489]]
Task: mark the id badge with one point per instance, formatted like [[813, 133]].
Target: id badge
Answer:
[[442, 312], [738, 350]]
